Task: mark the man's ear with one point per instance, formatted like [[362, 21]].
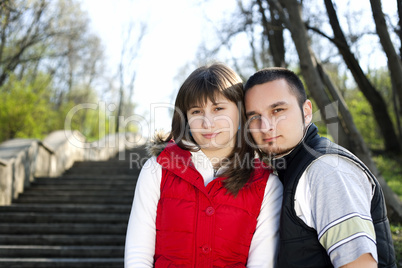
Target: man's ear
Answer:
[[308, 112]]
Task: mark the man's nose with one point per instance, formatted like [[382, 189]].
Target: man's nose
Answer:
[[266, 124]]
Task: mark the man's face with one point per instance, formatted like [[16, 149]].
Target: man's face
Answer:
[[275, 119]]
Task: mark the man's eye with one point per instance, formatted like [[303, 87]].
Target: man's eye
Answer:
[[254, 117], [218, 108], [278, 110]]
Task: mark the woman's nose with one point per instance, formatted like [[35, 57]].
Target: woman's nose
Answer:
[[208, 121]]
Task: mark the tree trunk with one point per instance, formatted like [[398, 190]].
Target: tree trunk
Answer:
[[394, 63], [356, 140], [312, 78], [380, 110], [362, 151], [399, 4], [293, 21], [274, 33]]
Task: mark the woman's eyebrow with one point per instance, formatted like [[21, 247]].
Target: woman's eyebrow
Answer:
[[194, 106], [220, 102]]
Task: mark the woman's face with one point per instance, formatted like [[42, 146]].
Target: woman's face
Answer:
[[214, 126]]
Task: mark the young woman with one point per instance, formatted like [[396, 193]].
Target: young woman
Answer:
[[202, 200]]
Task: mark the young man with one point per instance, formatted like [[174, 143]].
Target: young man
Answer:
[[333, 212]]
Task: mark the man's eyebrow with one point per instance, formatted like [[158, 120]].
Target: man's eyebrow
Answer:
[[250, 113], [276, 104], [272, 106]]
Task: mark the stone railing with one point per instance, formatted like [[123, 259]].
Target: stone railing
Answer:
[[21, 160]]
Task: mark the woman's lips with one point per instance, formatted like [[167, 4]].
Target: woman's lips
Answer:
[[210, 135]]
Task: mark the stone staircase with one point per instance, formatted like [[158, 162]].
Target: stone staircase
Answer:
[[76, 220]]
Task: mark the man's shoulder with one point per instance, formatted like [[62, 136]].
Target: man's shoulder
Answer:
[[329, 166]]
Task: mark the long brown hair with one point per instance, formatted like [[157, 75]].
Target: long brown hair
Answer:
[[204, 84]]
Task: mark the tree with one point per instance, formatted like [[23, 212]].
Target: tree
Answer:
[[394, 62], [30, 119], [48, 38], [290, 13], [274, 32], [16, 37], [338, 119], [399, 31], [129, 53], [377, 102]]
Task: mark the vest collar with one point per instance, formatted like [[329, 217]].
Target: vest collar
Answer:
[[179, 162]]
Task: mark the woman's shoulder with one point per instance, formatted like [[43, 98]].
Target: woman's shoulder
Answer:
[[261, 166], [261, 171], [157, 144], [150, 167]]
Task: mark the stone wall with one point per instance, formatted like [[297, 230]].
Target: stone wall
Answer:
[[21, 160]]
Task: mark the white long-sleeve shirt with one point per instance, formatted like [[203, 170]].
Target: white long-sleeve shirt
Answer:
[[141, 231]]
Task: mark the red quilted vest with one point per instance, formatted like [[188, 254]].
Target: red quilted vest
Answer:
[[203, 226]]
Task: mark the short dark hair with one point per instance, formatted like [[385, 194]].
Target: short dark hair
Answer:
[[276, 73]]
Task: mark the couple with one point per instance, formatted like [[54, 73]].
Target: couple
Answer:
[[205, 200]]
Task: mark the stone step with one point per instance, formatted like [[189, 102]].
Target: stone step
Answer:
[[107, 199], [102, 170], [75, 187], [79, 192], [62, 240], [61, 262], [85, 180], [35, 251], [70, 184], [62, 228], [40, 217], [110, 163], [68, 208], [76, 220], [96, 176]]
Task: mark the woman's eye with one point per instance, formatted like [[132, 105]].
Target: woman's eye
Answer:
[[218, 108], [195, 112]]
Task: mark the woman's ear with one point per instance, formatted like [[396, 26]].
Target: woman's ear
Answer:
[[308, 112]]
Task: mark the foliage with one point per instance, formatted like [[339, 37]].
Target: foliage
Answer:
[[391, 170], [89, 118], [382, 81], [26, 110], [362, 112], [363, 118], [50, 62], [396, 231]]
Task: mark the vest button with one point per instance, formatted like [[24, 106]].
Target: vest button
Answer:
[[210, 211], [206, 249]]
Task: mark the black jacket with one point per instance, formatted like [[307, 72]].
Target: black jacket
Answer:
[[299, 245]]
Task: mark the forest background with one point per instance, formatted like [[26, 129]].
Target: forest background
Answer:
[[54, 69]]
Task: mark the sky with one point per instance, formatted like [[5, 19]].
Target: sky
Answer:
[[175, 30]]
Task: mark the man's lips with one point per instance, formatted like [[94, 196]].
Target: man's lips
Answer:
[[210, 135], [270, 139]]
